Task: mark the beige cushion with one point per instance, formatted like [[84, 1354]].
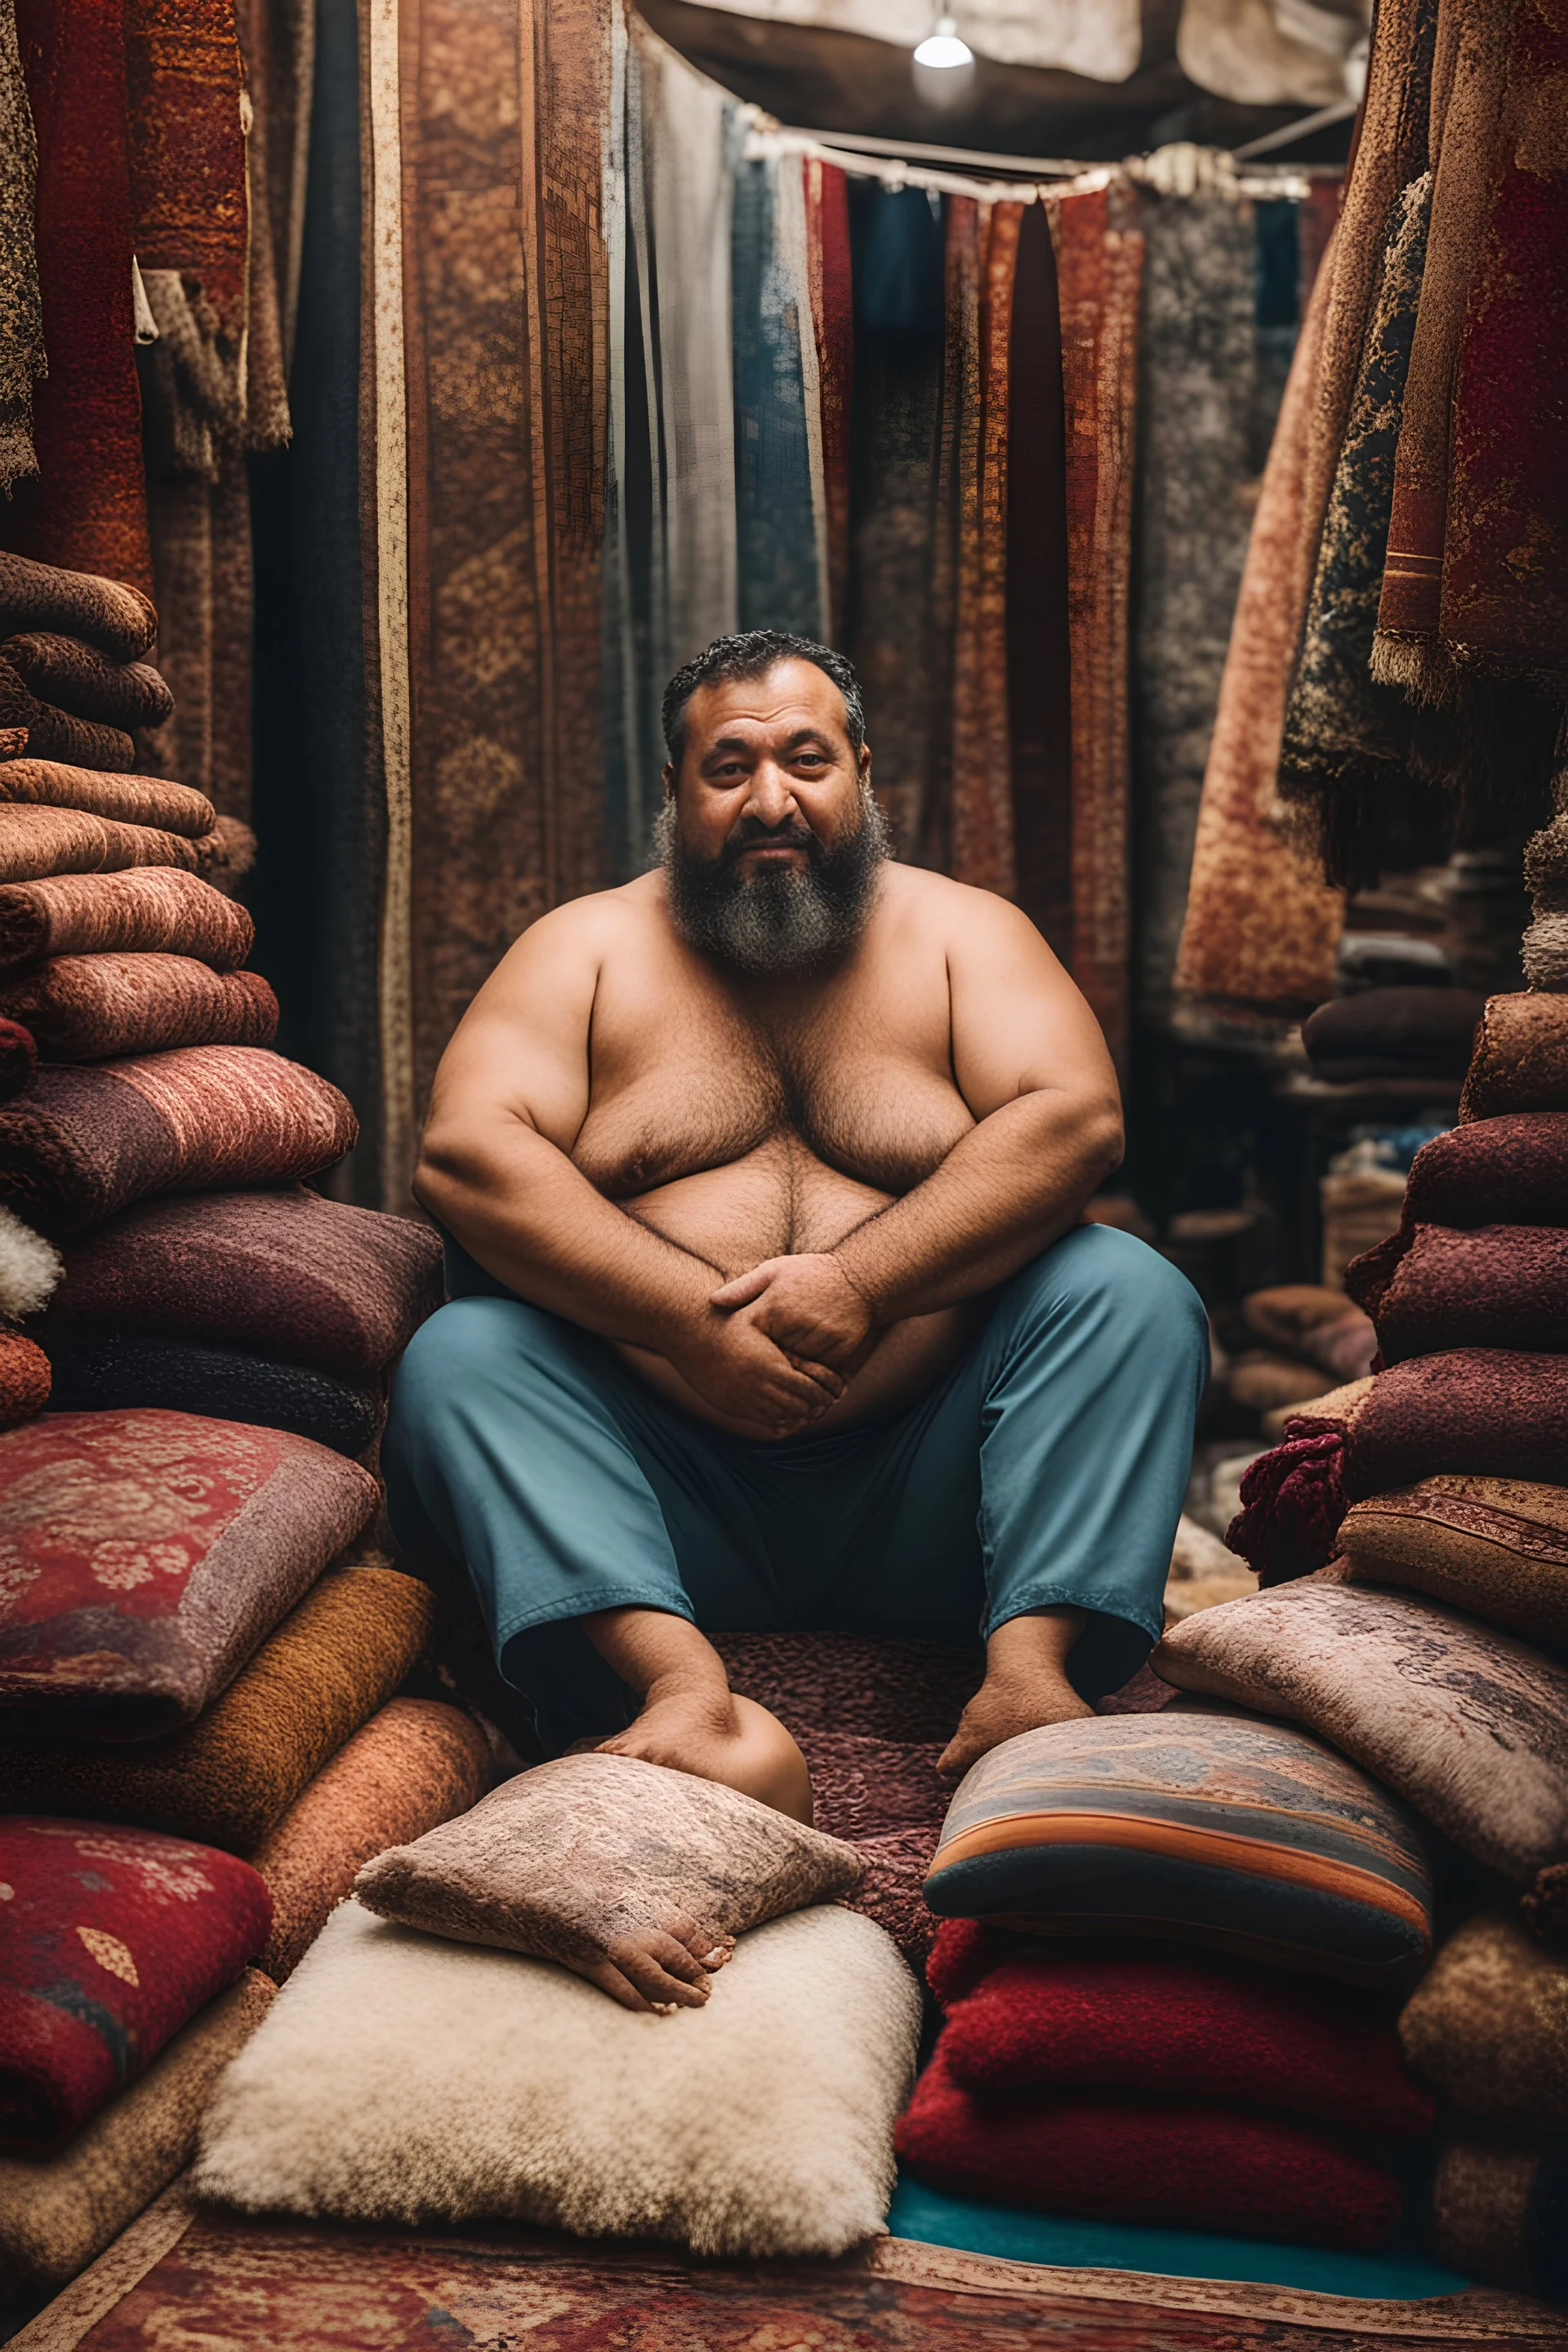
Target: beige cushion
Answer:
[[1496, 1546], [1487, 2026]]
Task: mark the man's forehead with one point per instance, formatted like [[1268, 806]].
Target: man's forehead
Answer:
[[791, 697]]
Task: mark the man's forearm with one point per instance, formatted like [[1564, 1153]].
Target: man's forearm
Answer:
[[1006, 1190]]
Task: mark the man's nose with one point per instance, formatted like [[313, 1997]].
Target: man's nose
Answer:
[[770, 800]]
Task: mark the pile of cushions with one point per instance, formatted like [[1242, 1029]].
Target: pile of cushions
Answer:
[[1302, 1340], [201, 1739]]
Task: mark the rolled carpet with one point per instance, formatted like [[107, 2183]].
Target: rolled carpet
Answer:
[[99, 1368], [414, 1765], [37, 842], [1499, 1413], [55, 734], [120, 621], [87, 1008], [1488, 2025], [1432, 1286], [1500, 2212], [55, 2216], [1508, 1171], [148, 1554], [1183, 2025], [283, 1273], [155, 910], [89, 1140], [1520, 1061], [1496, 1547], [18, 1059], [1181, 2164], [23, 1379], [1392, 1033], [116, 1938], [129, 800], [228, 1780], [84, 681]]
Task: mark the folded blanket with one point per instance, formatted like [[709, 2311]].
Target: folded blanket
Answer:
[[23, 1379], [18, 1059], [114, 1939], [1509, 1171], [1500, 1412], [37, 842], [156, 910], [230, 1778], [1496, 1546], [415, 1765], [86, 1141], [1183, 2025], [1391, 1032], [1520, 1061], [1431, 1286], [55, 734], [1178, 2164], [1462, 1721], [1322, 1327], [144, 1555], [100, 1368], [1488, 2025], [129, 800], [1498, 2214], [85, 1008], [285, 1274], [80, 679], [119, 620], [55, 2216]]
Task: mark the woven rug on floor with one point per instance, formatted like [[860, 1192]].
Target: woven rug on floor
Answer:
[[175, 2276]]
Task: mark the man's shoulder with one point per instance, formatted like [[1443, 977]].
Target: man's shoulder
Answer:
[[915, 894], [599, 919]]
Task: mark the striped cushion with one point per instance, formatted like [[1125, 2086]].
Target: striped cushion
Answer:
[[1202, 1827]]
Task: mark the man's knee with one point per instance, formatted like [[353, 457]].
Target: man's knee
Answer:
[[468, 1350], [1117, 1283]]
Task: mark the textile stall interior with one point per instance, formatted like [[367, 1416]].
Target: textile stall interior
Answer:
[[1161, 403]]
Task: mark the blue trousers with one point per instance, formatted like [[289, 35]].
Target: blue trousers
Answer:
[[1047, 1468]]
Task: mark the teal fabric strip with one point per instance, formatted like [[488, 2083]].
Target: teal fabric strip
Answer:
[[776, 522]]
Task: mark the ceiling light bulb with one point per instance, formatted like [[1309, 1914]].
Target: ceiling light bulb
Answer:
[[944, 48]]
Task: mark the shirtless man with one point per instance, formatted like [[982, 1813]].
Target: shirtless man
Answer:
[[772, 1307]]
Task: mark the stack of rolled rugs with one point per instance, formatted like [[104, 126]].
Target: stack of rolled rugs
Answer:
[[200, 1739]]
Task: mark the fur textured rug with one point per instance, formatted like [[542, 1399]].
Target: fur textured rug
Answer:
[[1520, 1061], [404, 2078], [37, 842], [1488, 2025], [155, 910], [129, 800], [90, 1008], [1466, 1286], [30, 1268], [1510, 1169]]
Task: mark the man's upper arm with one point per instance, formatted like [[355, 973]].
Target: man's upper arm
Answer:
[[1019, 1025], [521, 1051]]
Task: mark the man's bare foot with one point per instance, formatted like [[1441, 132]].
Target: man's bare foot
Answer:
[[711, 1733], [1025, 1685], [642, 1960]]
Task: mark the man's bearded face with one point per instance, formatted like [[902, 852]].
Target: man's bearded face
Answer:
[[785, 922]]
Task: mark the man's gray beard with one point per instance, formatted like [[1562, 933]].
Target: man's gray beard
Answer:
[[790, 924]]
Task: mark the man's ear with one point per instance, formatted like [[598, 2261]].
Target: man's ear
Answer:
[[666, 774], [864, 762]]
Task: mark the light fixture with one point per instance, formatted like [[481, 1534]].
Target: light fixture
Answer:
[[942, 50]]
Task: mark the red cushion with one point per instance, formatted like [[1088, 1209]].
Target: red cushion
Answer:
[[111, 1940], [1188, 2026], [1173, 2164]]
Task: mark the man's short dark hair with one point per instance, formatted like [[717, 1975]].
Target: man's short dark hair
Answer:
[[751, 655]]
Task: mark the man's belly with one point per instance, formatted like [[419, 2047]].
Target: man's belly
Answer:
[[781, 1201]]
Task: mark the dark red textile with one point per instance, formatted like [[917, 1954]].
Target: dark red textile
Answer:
[[18, 1059], [1466, 1286], [1188, 2027], [114, 1938], [1510, 1171], [1037, 652], [1173, 2164], [87, 509], [1292, 1500], [833, 317], [24, 1378]]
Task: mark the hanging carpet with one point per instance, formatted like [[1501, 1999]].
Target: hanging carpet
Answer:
[[22, 354]]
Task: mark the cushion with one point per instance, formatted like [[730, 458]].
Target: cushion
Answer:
[[1183, 2164], [18, 1059], [1388, 1032], [24, 1391], [1488, 2025], [100, 1368], [1464, 1722], [154, 907], [1520, 1061], [286, 1274], [650, 1851], [144, 1555], [1500, 2212], [36, 842], [51, 782], [1305, 1318], [84, 1008], [1512, 1169], [1187, 2026], [120, 621], [1200, 1827], [409, 2079], [86, 1141], [416, 1763], [55, 2216], [228, 1779], [1495, 1547], [114, 1938], [1431, 1286], [79, 678]]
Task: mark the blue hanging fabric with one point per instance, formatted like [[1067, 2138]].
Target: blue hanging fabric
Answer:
[[778, 505]]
